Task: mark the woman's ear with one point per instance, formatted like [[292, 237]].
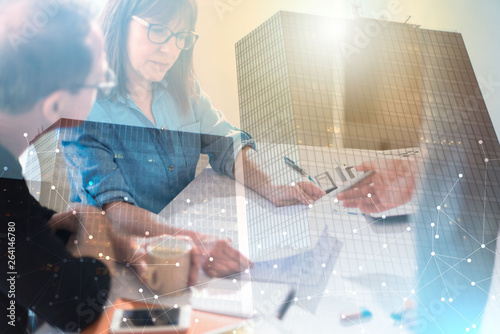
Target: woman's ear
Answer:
[[52, 106]]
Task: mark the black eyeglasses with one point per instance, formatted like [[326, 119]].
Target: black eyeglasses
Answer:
[[159, 34], [104, 88]]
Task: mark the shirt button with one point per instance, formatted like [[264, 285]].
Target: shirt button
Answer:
[[171, 168], [163, 128]]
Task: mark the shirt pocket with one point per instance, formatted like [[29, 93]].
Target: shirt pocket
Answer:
[[190, 139]]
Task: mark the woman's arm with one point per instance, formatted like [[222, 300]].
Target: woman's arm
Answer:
[[248, 173], [130, 219]]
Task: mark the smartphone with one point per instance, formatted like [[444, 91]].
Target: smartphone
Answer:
[[154, 320]]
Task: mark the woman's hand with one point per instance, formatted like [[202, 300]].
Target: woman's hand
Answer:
[[217, 257], [298, 193], [390, 186]]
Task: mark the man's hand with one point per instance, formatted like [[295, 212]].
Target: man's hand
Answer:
[[91, 237], [64, 221], [390, 186], [298, 193]]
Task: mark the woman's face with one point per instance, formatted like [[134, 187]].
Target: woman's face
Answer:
[[150, 62]]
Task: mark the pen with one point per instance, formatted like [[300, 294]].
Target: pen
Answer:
[[296, 168], [286, 304]]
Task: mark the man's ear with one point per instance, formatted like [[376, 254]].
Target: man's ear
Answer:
[[52, 106]]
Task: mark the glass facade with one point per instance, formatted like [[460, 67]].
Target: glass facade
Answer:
[[332, 93]]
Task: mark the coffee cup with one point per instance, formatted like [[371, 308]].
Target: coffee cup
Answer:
[[168, 264]]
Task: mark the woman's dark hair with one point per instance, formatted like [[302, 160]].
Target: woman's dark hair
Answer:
[[43, 51], [115, 23]]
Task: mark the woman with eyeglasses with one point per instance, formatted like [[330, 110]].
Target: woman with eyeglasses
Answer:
[[145, 143]]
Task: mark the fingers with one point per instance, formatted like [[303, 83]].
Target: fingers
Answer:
[[305, 193]]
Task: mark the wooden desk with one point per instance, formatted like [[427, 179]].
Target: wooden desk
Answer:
[[206, 321]]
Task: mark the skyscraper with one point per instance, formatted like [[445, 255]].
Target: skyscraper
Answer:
[[313, 88]]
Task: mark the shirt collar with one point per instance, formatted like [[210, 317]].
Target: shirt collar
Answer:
[[159, 89]]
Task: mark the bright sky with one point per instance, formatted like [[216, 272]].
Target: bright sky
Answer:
[[222, 23]]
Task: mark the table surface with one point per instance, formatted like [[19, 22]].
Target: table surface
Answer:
[[375, 268]]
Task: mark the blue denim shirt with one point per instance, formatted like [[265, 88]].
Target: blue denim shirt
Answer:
[[120, 155]]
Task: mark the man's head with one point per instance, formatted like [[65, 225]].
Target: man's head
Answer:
[[49, 51]]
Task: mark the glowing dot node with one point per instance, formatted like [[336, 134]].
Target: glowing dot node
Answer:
[[450, 300], [124, 319], [103, 213], [310, 206], [222, 230], [308, 297], [436, 236], [284, 233], [25, 135], [275, 266], [177, 264], [223, 211], [442, 299], [53, 187], [336, 200], [58, 150], [188, 201], [432, 224], [190, 224], [74, 213], [433, 253], [292, 184], [480, 142], [146, 233], [75, 242], [412, 291], [247, 271], [261, 292], [383, 217], [483, 245], [384, 284], [211, 259], [176, 306], [405, 299], [100, 254], [472, 283], [474, 326], [438, 207], [469, 260], [107, 257], [91, 237], [369, 195], [156, 297], [408, 228], [360, 267], [384, 245], [140, 290], [343, 316], [323, 265], [196, 320], [234, 281], [296, 299], [460, 175], [354, 231], [125, 199]]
